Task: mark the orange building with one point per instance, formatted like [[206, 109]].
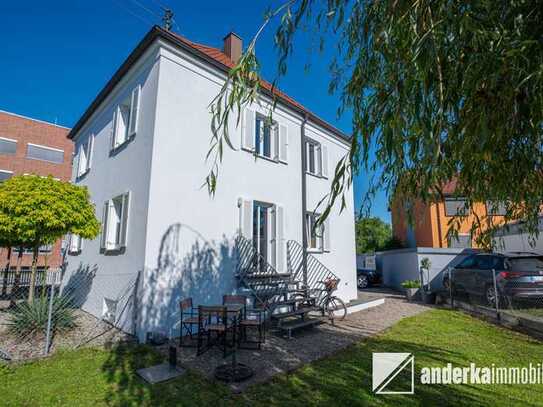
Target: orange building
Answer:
[[29, 146], [430, 222]]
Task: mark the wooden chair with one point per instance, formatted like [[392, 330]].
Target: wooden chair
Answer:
[[212, 328], [253, 319], [189, 318]]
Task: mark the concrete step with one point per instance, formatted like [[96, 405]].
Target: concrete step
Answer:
[[298, 312], [290, 326]]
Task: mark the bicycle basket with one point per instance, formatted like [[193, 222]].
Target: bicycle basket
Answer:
[[331, 284]]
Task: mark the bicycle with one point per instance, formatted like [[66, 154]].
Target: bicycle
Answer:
[[332, 306]]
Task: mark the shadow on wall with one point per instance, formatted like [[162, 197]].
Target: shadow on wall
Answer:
[[188, 265], [79, 284]]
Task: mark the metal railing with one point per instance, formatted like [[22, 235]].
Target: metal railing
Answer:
[[316, 271]]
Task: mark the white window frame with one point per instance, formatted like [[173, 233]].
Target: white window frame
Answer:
[[461, 211], [115, 223], [10, 140], [84, 161], [122, 135], [317, 157], [261, 122], [45, 148], [6, 172], [310, 219], [75, 245]]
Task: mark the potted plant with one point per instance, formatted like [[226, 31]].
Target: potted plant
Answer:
[[411, 288]]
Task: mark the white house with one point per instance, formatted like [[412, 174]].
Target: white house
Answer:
[[141, 148]]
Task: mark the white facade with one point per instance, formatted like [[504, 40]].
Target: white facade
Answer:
[[178, 238]]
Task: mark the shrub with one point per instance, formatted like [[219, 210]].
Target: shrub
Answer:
[[411, 284], [30, 318]]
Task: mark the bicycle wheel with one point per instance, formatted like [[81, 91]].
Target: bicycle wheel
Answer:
[[335, 308]]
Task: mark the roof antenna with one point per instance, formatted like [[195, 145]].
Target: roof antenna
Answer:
[[167, 19]]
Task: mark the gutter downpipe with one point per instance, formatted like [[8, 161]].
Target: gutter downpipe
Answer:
[[304, 209]]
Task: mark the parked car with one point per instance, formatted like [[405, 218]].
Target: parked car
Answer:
[[519, 276], [367, 277]]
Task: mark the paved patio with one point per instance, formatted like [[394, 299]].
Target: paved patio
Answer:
[[279, 355]]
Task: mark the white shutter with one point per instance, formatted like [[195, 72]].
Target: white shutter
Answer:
[[90, 151], [113, 133], [134, 111], [326, 235], [75, 243], [248, 138], [125, 210], [103, 239], [80, 163], [283, 143], [324, 161], [279, 237], [246, 213], [272, 230]]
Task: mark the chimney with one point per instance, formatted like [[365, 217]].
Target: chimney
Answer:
[[233, 47]]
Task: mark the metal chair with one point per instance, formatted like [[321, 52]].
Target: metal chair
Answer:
[[189, 318], [253, 319], [212, 321]]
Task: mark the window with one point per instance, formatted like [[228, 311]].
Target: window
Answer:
[[496, 208], [484, 262], [265, 137], [5, 175], [467, 263], [115, 223], [8, 146], [316, 162], [125, 121], [463, 241], [456, 207], [318, 237], [44, 249], [85, 156], [75, 244], [37, 152]]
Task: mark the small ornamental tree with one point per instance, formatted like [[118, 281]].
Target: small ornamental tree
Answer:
[[35, 211]]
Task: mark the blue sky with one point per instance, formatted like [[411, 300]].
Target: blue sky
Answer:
[[56, 56]]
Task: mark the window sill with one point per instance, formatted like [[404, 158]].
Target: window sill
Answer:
[[122, 145], [82, 175], [310, 250], [316, 175]]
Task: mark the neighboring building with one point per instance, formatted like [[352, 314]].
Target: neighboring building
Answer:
[[29, 146], [141, 148], [431, 221]]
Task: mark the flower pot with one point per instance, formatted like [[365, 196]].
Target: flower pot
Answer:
[[411, 293]]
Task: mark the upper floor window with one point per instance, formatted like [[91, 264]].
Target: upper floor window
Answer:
[[456, 207], [8, 146], [462, 241], [75, 244], [43, 153], [264, 137], [318, 236], [85, 156], [496, 208], [125, 121], [115, 223], [316, 162], [5, 175], [43, 249]]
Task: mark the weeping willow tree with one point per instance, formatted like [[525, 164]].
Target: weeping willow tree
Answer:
[[438, 90]]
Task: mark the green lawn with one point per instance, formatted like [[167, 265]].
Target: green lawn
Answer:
[[93, 377]]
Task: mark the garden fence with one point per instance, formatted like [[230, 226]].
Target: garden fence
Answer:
[[63, 311], [500, 296]]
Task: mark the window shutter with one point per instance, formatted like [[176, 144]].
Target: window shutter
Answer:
[[134, 111], [103, 240], [326, 235], [124, 219], [283, 143], [248, 140], [247, 219], [112, 136], [75, 243], [279, 237], [79, 160], [324, 161], [90, 151]]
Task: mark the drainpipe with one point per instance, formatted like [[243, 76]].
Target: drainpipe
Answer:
[[304, 206], [439, 231]]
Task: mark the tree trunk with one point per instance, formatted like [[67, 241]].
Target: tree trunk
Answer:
[[17, 278], [32, 287]]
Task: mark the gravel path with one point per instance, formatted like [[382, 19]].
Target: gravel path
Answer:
[[89, 332], [279, 355]]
